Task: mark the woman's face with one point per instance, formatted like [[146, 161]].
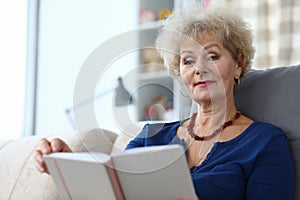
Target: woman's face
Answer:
[[208, 70]]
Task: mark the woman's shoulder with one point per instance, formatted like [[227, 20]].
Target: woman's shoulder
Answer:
[[265, 129], [266, 125], [260, 135]]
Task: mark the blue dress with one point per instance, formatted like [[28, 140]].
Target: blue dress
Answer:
[[257, 164]]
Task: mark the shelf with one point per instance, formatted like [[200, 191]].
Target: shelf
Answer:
[[153, 75], [153, 80], [153, 24]]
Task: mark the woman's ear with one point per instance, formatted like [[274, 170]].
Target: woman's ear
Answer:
[[239, 65]]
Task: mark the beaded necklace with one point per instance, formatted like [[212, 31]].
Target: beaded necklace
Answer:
[[213, 134]]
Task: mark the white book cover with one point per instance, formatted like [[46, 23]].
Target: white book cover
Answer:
[[157, 172]]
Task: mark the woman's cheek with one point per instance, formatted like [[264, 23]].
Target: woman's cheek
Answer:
[[186, 74]]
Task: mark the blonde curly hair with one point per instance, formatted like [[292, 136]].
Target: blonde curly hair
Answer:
[[230, 29]]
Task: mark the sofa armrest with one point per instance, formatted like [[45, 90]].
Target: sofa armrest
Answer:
[[127, 133], [21, 180], [95, 140]]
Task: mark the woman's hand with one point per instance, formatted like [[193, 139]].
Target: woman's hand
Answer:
[[46, 147]]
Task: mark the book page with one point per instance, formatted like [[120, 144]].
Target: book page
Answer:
[[81, 175], [158, 172]]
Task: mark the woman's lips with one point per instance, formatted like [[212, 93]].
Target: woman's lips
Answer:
[[203, 84]]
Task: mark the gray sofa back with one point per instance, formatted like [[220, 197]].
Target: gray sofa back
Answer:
[[273, 96]]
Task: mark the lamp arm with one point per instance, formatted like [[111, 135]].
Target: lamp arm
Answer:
[[83, 103], [122, 98], [89, 100]]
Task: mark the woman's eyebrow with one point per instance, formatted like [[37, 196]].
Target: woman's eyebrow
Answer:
[[186, 51], [211, 46], [203, 49]]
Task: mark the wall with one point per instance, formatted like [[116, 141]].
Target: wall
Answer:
[[13, 17], [69, 32]]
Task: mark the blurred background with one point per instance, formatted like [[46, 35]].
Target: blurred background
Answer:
[[47, 44]]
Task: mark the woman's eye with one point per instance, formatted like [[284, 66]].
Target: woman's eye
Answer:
[[188, 62], [213, 57]]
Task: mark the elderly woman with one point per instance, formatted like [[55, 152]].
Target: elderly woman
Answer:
[[230, 156]]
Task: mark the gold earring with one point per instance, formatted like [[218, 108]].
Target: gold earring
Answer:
[[237, 81]]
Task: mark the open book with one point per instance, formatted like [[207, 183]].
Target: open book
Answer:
[[157, 172]]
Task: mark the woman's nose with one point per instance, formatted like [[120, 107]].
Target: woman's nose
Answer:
[[196, 68], [200, 67]]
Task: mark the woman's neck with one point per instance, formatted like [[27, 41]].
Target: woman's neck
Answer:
[[216, 115]]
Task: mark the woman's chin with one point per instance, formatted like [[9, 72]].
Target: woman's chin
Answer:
[[207, 99], [202, 99]]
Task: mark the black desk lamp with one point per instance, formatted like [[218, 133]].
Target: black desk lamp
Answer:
[[122, 98]]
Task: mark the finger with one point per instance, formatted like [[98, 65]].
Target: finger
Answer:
[[57, 145], [41, 168], [40, 163], [67, 148], [37, 154], [44, 146]]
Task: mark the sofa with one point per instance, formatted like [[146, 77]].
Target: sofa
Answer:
[[19, 177], [268, 95]]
